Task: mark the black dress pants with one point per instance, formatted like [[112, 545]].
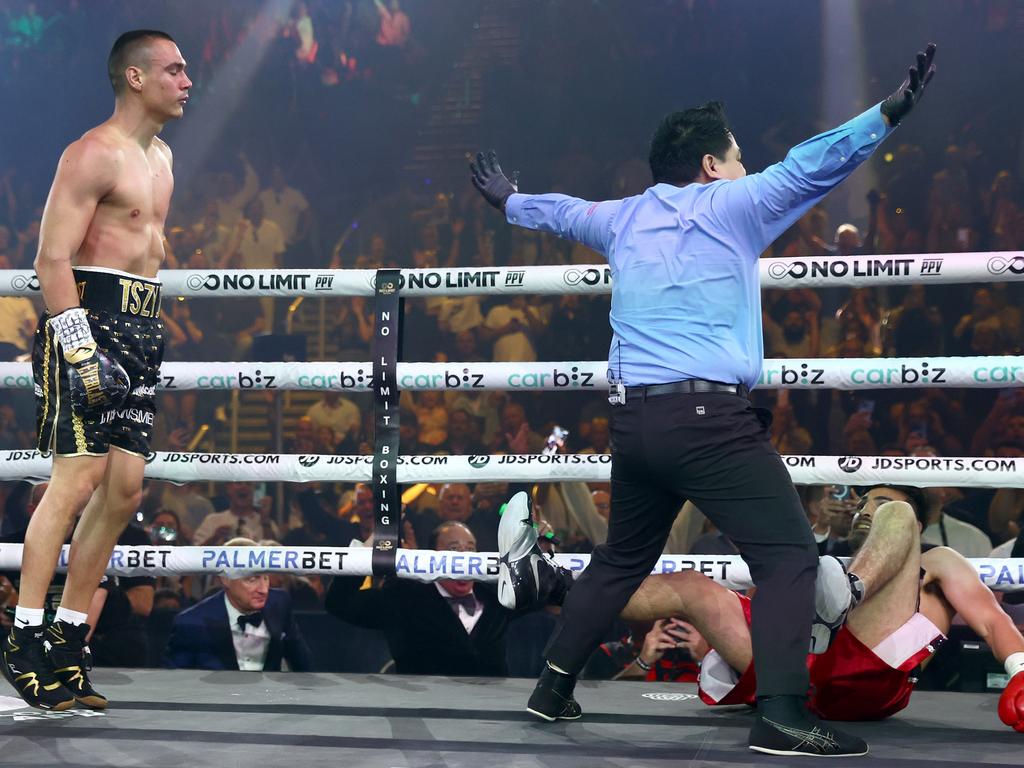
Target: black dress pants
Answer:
[[714, 450]]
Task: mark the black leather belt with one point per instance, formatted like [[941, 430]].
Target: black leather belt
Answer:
[[689, 387]]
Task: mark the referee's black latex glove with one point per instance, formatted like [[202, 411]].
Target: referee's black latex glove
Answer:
[[909, 93], [489, 179]]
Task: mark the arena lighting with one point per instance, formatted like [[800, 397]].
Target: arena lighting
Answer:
[[845, 92], [220, 96]]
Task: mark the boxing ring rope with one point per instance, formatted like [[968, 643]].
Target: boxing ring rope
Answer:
[[921, 471], [809, 272], [999, 574], [853, 373]]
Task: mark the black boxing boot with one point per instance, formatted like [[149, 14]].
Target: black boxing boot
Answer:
[[526, 576], [27, 668], [66, 649]]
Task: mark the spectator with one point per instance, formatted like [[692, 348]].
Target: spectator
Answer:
[[394, 24], [432, 419], [598, 437], [303, 439], [290, 209], [18, 318], [409, 435], [914, 327], [798, 337], [320, 524], [512, 327], [788, 437], [515, 435], [337, 412], [947, 531], [119, 638], [455, 505], [417, 617], [257, 243], [246, 626], [242, 517], [167, 601], [233, 197], [463, 434]]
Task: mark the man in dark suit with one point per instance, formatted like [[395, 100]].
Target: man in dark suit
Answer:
[[448, 627], [247, 626]]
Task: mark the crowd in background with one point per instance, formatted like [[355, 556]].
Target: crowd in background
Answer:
[[271, 199]]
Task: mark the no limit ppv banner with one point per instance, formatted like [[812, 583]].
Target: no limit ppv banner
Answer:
[[810, 272]]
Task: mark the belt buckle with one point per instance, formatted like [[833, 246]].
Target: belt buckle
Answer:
[[617, 393]]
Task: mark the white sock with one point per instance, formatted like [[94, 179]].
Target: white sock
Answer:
[[28, 617], [71, 617], [1014, 663]]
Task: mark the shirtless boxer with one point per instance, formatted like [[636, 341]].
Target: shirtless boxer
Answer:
[[96, 358], [866, 672]]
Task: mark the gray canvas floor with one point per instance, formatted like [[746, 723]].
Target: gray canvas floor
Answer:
[[188, 719]]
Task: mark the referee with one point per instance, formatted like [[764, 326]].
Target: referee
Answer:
[[687, 348]]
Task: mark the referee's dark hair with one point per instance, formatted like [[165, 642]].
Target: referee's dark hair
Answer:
[[683, 138], [129, 50]]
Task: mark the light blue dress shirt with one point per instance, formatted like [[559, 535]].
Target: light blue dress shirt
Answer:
[[686, 295]]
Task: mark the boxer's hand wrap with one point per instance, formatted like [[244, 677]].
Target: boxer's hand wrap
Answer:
[[1011, 701], [97, 382], [488, 178], [909, 93]]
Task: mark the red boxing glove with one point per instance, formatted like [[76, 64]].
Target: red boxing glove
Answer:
[[1011, 703]]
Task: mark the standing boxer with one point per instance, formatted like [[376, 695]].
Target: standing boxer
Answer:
[[96, 358]]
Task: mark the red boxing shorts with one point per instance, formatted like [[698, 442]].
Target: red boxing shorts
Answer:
[[848, 682]]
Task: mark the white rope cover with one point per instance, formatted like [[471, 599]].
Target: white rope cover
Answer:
[[961, 471], [810, 272], [1002, 574], [585, 376]]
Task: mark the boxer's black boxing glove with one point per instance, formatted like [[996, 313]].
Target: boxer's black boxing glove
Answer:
[[909, 93], [489, 179], [97, 382]]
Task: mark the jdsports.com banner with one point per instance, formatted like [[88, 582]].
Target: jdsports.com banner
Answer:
[[960, 471], [421, 565], [584, 376], [977, 267]]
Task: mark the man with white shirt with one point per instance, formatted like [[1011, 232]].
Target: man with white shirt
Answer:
[[248, 626], [947, 531], [337, 412], [288, 207], [241, 518], [257, 243]]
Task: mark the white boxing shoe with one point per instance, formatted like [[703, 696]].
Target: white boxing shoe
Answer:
[[526, 576], [833, 599]]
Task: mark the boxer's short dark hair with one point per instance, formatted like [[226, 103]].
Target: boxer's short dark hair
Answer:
[[127, 51], [915, 496], [683, 138]]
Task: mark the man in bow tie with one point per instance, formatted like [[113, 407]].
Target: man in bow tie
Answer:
[[448, 627], [246, 626]]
